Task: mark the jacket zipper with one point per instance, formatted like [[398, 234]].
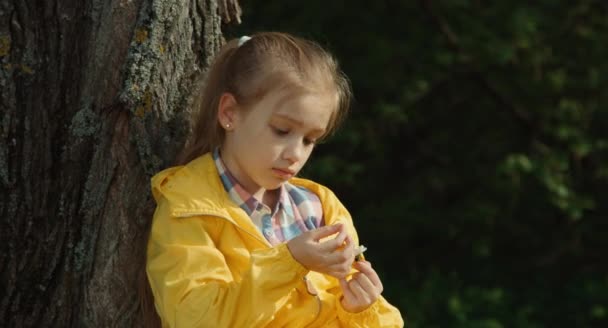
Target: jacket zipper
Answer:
[[319, 304]]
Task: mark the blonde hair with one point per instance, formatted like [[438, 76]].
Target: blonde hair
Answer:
[[266, 62]]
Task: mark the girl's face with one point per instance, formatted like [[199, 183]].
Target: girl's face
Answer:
[[271, 141]]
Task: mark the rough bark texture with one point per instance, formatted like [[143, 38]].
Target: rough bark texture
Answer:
[[93, 102]]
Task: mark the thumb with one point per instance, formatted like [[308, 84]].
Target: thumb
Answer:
[[325, 231]]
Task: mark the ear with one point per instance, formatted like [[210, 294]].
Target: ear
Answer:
[[227, 111]]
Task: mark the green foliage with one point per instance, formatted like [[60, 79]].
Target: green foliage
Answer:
[[475, 159]]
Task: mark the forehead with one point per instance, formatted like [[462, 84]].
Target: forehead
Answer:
[[312, 109]]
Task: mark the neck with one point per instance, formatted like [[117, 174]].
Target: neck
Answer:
[[268, 197]]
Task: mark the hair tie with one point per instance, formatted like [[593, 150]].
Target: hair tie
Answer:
[[244, 39]]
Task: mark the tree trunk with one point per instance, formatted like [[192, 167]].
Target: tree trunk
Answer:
[[94, 96]]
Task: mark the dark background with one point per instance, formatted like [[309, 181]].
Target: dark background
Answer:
[[474, 161]]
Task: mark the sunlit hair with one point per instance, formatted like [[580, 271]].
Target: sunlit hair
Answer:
[[269, 61]]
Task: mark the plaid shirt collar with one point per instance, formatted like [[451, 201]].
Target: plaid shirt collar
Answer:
[[296, 211]]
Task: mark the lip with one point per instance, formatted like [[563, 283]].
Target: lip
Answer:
[[283, 173]]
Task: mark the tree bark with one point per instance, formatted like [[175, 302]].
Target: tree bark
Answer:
[[94, 97]]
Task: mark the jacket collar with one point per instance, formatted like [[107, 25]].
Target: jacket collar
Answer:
[[195, 189], [192, 189]]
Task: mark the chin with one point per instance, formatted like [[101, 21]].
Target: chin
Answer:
[[275, 185]]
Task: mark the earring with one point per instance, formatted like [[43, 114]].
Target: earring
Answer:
[[228, 125]]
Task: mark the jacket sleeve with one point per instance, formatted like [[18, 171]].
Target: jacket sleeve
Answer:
[[379, 314], [194, 286]]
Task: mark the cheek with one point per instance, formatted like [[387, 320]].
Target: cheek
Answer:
[[307, 153]]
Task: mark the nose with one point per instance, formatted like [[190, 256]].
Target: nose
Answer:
[[294, 151]]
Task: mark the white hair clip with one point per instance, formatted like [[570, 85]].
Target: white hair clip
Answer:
[[244, 39]]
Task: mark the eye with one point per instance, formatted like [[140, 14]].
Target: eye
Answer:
[[309, 141], [279, 132]]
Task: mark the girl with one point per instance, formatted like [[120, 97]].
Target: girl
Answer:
[[237, 239]]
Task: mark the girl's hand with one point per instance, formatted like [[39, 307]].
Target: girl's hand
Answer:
[[333, 257], [362, 290]]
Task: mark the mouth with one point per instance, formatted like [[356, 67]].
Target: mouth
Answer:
[[283, 173]]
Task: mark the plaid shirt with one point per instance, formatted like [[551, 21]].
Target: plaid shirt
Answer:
[[296, 211]]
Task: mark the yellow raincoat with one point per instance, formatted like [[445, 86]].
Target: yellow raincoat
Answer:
[[209, 266]]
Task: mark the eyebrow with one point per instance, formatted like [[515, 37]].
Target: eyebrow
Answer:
[[296, 122]]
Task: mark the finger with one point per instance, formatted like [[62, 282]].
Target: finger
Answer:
[[340, 270], [367, 285], [326, 231], [348, 294], [335, 243], [349, 241], [344, 256], [356, 289], [349, 249], [366, 268]]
